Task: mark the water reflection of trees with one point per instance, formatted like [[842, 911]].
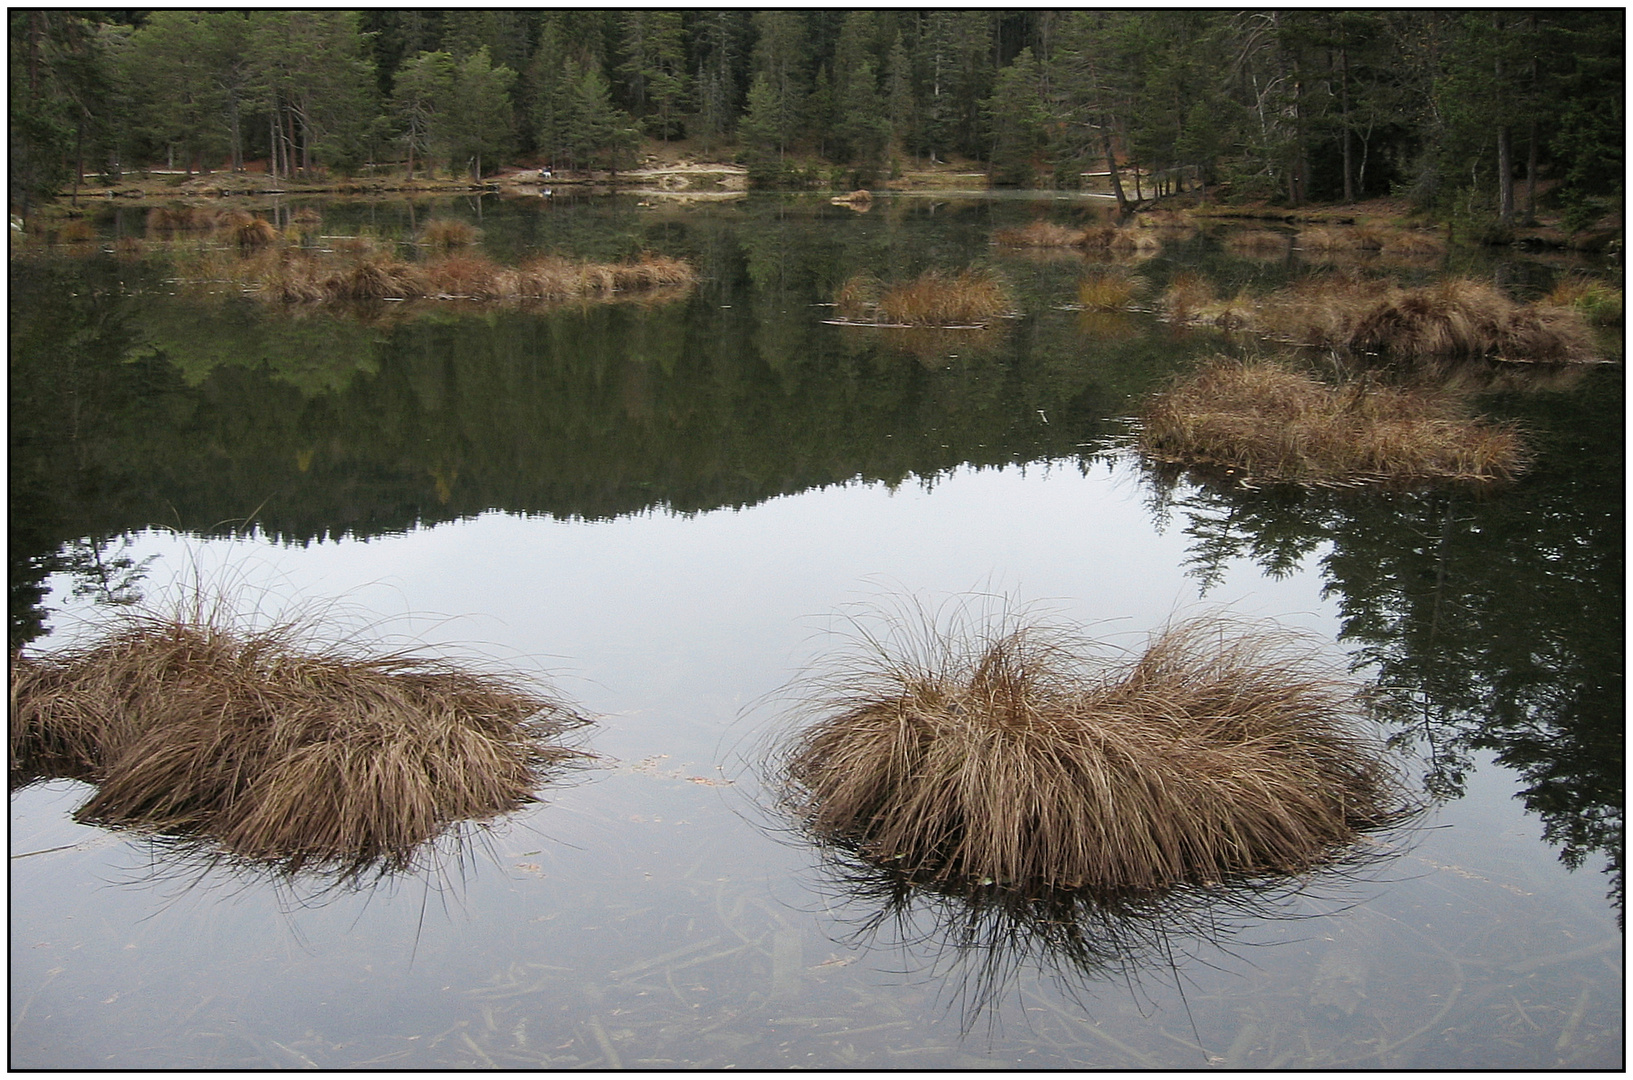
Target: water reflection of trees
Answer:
[[130, 407], [979, 941], [1492, 621]]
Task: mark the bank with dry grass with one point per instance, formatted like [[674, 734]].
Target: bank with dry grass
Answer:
[[1265, 421], [256, 744], [1010, 756]]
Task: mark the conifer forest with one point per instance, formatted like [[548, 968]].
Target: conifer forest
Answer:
[[1482, 112]]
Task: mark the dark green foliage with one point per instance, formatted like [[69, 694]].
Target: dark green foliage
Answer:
[[1485, 116]]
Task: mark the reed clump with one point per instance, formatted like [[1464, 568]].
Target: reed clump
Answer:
[[1012, 759], [1257, 243], [1465, 317], [325, 760], [1118, 240], [936, 298], [1263, 421], [1107, 292], [447, 233], [1044, 234], [1596, 300], [1413, 244]]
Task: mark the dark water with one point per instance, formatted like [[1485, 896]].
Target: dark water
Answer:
[[667, 509]]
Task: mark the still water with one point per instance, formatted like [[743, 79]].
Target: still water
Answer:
[[668, 510]]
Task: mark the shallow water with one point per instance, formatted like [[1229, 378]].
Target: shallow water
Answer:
[[669, 511]]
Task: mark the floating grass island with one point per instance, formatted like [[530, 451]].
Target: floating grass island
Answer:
[[971, 298], [1265, 421], [328, 761], [1013, 759]]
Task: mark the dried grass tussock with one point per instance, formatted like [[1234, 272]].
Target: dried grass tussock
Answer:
[[1045, 234], [968, 299], [327, 761], [1265, 421], [1465, 317], [1012, 758], [287, 276]]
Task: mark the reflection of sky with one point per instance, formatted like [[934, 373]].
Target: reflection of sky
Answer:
[[691, 618], [667, 628]]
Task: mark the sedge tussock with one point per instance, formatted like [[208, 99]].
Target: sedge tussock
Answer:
[[447, 233], [299, 759], [935, 298], [1014, 758], [1270, 423], [1465, 317], [1107, 292], [1044, 234], [1257, 243]]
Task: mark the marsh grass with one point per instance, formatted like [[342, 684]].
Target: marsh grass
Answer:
[[447, 233], [1009, 756], [1107, 292], [1264, 421], [1044, 234], [1120, 240], [1257, 243], [1464, 317], [1596, 300], [1413, 244], [364, 272], [970, 298], [326, 760]]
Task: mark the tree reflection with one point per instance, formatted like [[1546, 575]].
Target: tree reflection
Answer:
[[1490, 620], [982, 939]]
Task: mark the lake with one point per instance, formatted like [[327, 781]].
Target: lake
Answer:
[[669, 510]]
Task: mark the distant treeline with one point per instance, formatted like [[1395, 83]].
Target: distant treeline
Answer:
[[1481, 112]]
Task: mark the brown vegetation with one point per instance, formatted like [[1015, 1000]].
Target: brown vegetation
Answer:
[[1596, 300], [1107, 292], [1263, 421], [1464, 317], [1120, 240], [1039, 234], [286, 757], [1011, 759], [1256, 243], [446, 233], [363, 273], [935, 298]]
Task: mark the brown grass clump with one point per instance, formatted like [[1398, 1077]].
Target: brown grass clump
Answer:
[[164, 220], [1039, 234], [1186, 294], [1009, 758], [374, 279], [1107, 292], [972, 297], [1264, 421], [446, 233], [1257, 243], [1464, 317], [76, 231], [1124, 241], [464, 277], [1413, 244], [1598, 301], [295, 759]]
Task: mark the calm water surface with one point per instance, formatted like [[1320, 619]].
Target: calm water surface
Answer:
[[668, 510]]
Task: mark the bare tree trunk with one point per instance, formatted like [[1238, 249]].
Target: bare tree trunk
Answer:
[[1111, 168]]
